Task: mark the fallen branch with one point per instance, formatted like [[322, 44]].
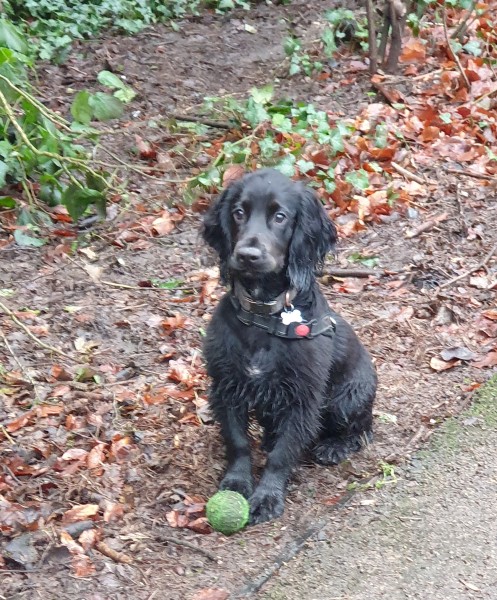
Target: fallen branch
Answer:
[[201, 120], [426, 226], [116, 556], [172, 540], [467, 273], [407, 174], [471, 174], [339, 273], [8, 312]]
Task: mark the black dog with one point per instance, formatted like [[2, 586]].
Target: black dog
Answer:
[[274, 346]]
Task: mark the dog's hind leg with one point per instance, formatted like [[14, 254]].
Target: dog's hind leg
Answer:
[[346, 424]]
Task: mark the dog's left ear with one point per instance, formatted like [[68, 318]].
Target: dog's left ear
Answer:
[[313, 237]]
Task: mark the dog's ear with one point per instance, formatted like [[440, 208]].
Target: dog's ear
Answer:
[[217, 227], [313, 237]]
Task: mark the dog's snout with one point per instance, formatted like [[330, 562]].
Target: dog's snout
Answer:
[[249, 255]]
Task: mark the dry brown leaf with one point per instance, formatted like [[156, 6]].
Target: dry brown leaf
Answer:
[[211, 594], [232, 173], [437, 364], [74, 454], [96, 456], [80, 513], [88, 539], [172, 323], [491, 314], [113, 512], [490, 360], [20, 421], [163, 224]]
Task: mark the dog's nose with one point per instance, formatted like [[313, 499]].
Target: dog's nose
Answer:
[[248, 255]]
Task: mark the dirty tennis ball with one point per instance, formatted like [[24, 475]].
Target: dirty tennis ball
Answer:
[[227, 512]]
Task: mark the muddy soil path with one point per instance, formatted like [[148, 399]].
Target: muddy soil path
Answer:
[[158, 446]]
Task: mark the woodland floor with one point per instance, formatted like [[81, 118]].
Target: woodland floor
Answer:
[[123, 453]]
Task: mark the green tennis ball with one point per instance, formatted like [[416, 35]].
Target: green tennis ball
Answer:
[[227, 512]]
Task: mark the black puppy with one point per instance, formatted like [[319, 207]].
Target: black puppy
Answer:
[[274, 346]]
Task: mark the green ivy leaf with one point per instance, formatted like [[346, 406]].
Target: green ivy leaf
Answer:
[[381, 136], [336, 141], [110, 80], [287, 165], [10, 37], [7, 202], [126, 94], [4, 169], [81, 109], [24, 239], [359, 179], [262, 95], [77, 199], [305, 165], [105, 106]]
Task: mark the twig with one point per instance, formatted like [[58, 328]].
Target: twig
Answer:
[[464, 24], [407, 174], [352, 273], [8, 312], [471, 174], [452, 53], [173, 540], [116, 556], [462, 220], [202, 120], [479, 266], [427, 225]]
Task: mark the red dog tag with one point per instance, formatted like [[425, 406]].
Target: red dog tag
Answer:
[[302, 330]]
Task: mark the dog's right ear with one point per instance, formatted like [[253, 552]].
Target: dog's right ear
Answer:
[[217, 227]]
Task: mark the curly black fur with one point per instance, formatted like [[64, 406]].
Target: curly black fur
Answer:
[[316, 395]]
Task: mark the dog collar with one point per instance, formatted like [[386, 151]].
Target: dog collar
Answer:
[[291, 327], [283, 300]]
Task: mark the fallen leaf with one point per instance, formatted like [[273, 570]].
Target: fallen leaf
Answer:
[[460, 353], [96, 456], [211, 594], [88, 539], [80, 513], [490, 360], [441, 365], [94, 271], [163, 224], [232, 173], [491, 314], [20, 421], [172, 323], [74, 454]]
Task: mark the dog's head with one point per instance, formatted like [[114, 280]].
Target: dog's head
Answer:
[[266, 224]]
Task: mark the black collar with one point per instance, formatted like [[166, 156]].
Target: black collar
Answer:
[[276, 317], [283, 300]]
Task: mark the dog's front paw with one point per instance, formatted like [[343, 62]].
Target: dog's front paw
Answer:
[[265, 506], [237, 483]]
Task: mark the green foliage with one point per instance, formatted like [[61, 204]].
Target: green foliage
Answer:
[[47, 156], [55, 24], [279, 135], [343, 26]]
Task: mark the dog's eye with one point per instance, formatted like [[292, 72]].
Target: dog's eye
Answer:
[[238, 214], [279, 217]]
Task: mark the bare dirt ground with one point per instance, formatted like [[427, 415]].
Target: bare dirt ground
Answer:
[[117, 420]]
